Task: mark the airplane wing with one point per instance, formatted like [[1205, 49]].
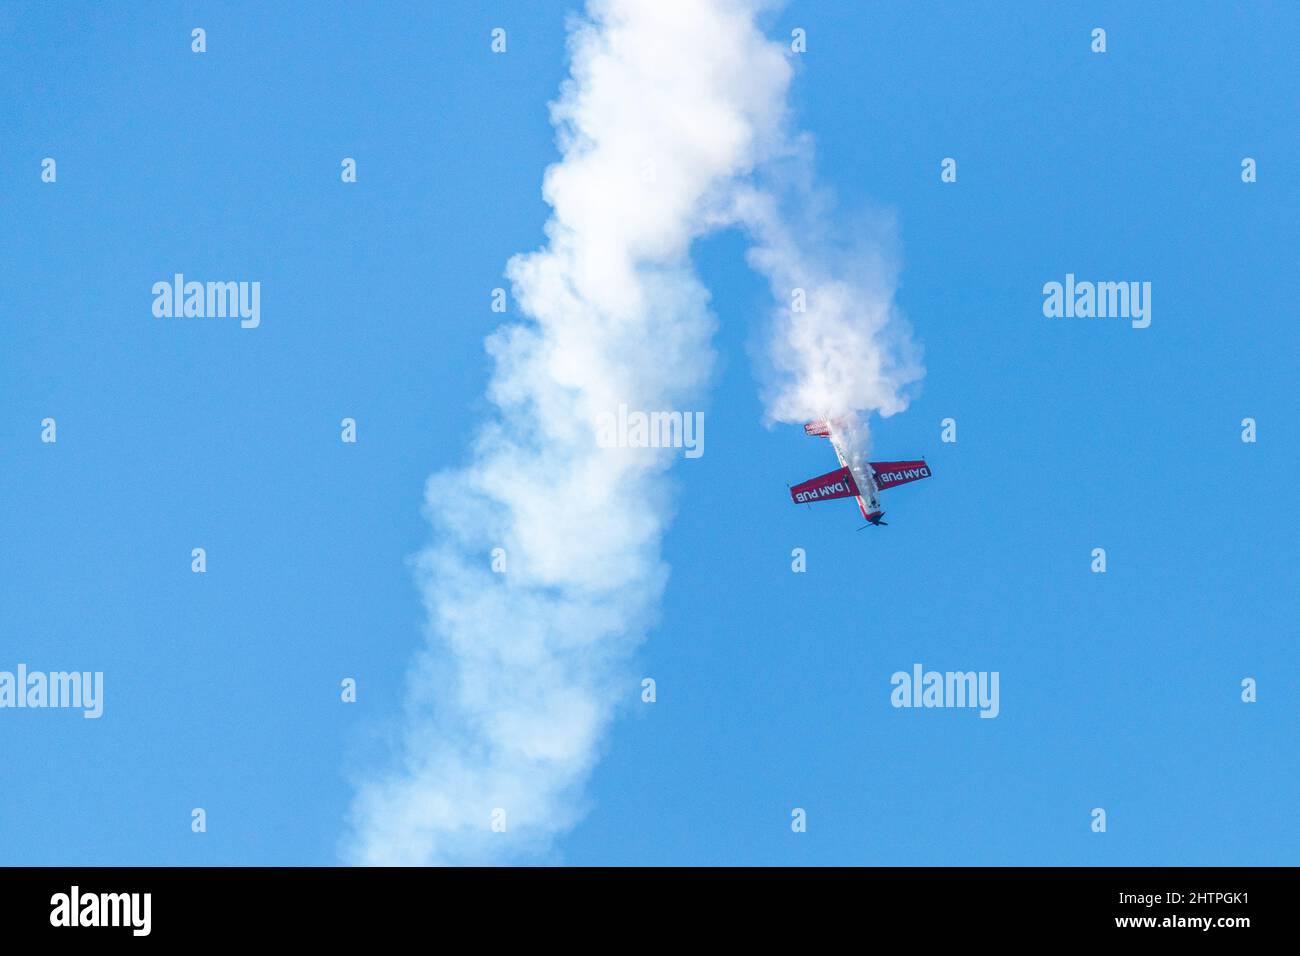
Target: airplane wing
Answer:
[[891, 473], [835, 484]]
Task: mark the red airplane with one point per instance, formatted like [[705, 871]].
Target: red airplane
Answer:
[[863, 481]]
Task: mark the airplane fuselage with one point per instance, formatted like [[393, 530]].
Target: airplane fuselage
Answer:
[[868, 502]]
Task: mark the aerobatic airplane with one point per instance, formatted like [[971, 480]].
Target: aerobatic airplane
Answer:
[[864, 480]]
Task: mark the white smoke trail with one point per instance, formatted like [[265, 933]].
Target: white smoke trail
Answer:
[[845, 352], [670, 105]]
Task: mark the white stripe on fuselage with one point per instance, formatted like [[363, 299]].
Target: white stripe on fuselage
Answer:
[[867, 500]]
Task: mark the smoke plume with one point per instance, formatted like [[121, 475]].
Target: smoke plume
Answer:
[[670, 108]]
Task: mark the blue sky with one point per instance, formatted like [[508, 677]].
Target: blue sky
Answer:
[[1118, 690]]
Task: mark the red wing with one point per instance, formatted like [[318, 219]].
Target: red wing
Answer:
[[891, 473], [835, 484]]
